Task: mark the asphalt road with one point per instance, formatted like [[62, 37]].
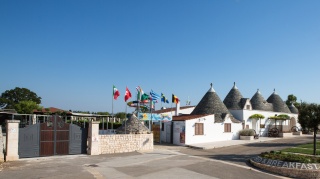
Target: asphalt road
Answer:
[[240, 154], [165, 161]]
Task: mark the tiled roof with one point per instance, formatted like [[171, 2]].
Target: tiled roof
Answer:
[[51, 110], [233, 99], [259, 103], [243, 102], [212, 104], [171, 109], [187, 117], [293, 109], [278, 104]]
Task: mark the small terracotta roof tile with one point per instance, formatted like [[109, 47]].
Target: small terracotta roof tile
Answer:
[[188, 117]]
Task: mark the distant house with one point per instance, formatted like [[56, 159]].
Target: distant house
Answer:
[[51, 110], [213, 120], [209, 121], [6, 114], [243, 108]]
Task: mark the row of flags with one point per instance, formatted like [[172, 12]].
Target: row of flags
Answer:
[[143, 96]]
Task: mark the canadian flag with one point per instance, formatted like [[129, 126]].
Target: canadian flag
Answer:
[[127, 95], [116, 92]]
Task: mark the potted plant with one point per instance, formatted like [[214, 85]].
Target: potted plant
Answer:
[[247, 134]]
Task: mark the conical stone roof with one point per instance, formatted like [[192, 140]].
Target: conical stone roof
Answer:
[[233, 99], [278, 104], [259, 103], [293, 109], [212, 104], [133, 126]]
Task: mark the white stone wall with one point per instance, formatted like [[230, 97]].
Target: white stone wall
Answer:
[[269, 123], [212, 131], [121, 143]]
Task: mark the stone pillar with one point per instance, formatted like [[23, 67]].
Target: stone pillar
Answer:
[[1, 145], [34, 119], [12, 140], [93, 138], [177, 109]]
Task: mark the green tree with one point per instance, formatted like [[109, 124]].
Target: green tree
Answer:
[[292, 99], [121, 115], [10, 98], [103, 113], [309, 117], [256, 116], [27, 107]]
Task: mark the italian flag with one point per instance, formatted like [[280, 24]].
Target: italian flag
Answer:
[[115, 93]]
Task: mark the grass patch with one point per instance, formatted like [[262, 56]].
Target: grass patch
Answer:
[[307, 151], [309, 146], [288, 157], [294, 154]]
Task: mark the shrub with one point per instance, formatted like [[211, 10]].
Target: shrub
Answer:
[[247, 132], [289, 157]]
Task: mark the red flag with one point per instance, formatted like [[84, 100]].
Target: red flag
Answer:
[[127, 95], [115, 93]]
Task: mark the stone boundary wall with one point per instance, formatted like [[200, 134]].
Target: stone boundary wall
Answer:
[[120, 143], [288, 169], [1, 145]]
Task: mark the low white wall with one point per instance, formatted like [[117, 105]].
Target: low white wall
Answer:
[[121, 143], [212, 131]]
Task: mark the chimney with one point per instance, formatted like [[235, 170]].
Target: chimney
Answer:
[[177, 108]]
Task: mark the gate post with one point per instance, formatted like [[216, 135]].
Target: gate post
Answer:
[[93, 138], [12, 140], [34, 119], [1, 145]]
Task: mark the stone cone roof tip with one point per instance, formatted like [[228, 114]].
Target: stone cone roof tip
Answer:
[[212, 104], [293, 109], [278, 104], [258, 102], [133, 126], [233, 99]]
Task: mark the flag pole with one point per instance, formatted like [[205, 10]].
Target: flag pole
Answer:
[[138, 108], [125, 122], [112, 106], [171, 104], [150, 114]]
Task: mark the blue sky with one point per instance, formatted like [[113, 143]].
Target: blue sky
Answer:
[[71, 52]]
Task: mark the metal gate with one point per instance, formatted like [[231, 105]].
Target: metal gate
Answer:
[[53, 137]]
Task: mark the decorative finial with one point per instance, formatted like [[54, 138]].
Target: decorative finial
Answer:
[[258, 91], [211, 89], [274, 90], [234, 85]]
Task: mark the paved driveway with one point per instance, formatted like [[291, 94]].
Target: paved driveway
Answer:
[[163, 162]]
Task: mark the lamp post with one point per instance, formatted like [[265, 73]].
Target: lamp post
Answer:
[[313, 118]]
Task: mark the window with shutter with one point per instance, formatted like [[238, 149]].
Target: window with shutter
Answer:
[[198, 129], [227, 127]]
